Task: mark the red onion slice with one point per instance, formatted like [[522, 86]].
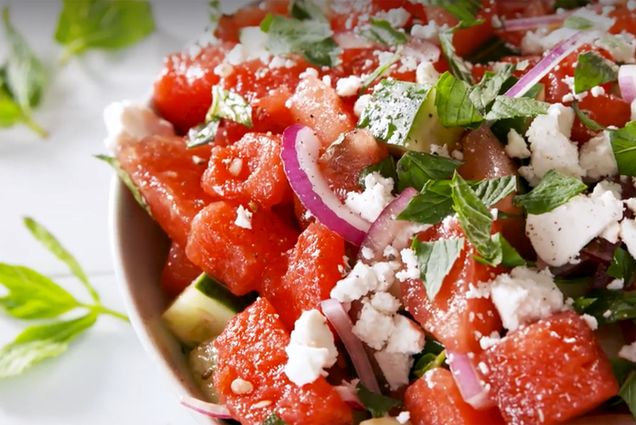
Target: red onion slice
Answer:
[[530, 23], [471, 387], [387, 227], [349, 396], [549, 61], [211, 410], [300, 160], [339, 319], [627, 82]]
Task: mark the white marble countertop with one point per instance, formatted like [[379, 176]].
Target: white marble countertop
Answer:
[[105, 378]]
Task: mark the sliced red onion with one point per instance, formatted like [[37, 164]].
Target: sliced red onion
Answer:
[[351, 40], [627, 82], [211, 410], [300, 160], [339, 319], [471, 387], [553, 57], [387, 227], [349, 396], [530, 23]]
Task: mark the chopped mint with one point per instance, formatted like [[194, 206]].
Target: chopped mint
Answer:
[[554, 190], [382, 32], [624, 147], [435, 260], [593, 70]]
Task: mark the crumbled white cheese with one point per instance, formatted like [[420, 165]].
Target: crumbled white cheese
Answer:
[[597, 91], [311, 349], [403, 418], [407, 337], [485, 342], [559, 235], [616, 284], [395, 367], [348, 86], [235, 167], [385, 274], [517, 147], [412, 270], [360, 281], [127, 121], [240, 386], [367, 253], [426, 73], [524, 296], [243, 218], [223, 70], [628, 352], [385, 303], [621, 46], [551, 147], [375, 197], [361, 104], [373, 327], [591, 321], [597, 157], [439, 150], [430, 31], [628, 235], [396, 17]]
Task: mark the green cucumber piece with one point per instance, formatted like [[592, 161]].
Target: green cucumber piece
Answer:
[[202, 310], [202, 360]]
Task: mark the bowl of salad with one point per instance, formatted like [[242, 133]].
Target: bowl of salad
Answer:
[[389, 212]]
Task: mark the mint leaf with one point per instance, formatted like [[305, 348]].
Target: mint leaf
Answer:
[[125, 178], [435, 260], [427, 362], [585, 118], [102, 24], [491, 191], [490, 86], [415, 169], [623, 266], [273, 419], [382, 32], [392, 111], [231, 106], [378, 72], [32, 295], [453, 103], [458, 67], [203, 134], [510, 257], [38, 343], [578, 23], [608, 306], [49, 241], [475, 219], [377, 404], [624, 147], [386, 168], [593, 70], [306, 10], [506, 107], [628, 392], [464, 10], [309, 38], [10, 112], [554, 190]]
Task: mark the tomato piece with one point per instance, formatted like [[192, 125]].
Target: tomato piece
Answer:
[[465, 40], [316, 105], [178, 272], [252, 348], [607, 110], [453, 318], [234, 255], [249, 170], [183, 90], [543, 372], [313, 271], [168, 176], [435, 399]]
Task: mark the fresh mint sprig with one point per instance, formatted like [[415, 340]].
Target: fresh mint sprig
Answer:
[[33, 296]]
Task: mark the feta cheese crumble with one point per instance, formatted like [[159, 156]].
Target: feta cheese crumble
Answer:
[[597, 157], [243, 218], [628, 352], [348, 86], [128, 121], [311, 349], [375, 197], [517, 147]]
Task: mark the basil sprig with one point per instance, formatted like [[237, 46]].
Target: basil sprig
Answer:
[[554, 190], [624, 147], [592, 70], [435, 260]]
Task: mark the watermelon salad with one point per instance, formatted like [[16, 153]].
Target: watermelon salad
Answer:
[[392, 212]]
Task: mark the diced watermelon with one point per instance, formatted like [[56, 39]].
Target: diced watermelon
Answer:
[[249, 170], [317, 106], [549, 371], [169, 178], [435, 399], [234, 255], [178, 272], [312, 273], [252, 348], [455, 319], [625, 20]]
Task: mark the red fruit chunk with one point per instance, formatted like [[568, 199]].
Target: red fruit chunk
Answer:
[[435, 399], [453, 318], [169, 178], [549, 371], [312, 273], [607, 110], [234, 255], [178, 272], [249, 170], [625, 20], [252, 348], [465, 40]]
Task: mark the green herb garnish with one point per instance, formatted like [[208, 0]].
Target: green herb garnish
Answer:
[[415, 169], [382, 32], [554, 190], [593, 70], [435, 260], [377, 404], [624, 147], [125, 178]]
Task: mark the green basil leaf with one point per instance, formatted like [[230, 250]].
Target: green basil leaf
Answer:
[[475, 219], [311, 39], [38, 343], [125, 178], [203, 134], [628, 392], [464, 10], [623, 266], [380, 71], [392, 111], [624, 147], [453, 103], [377, 404], [506, 107], [51, 243], [585, 118], [306, 10], [608, 306], [382, 32], [435, 260], [458, 67], [491, 191], [432, 205], [231, 106], [427, 362], [32, 295], [102, 24], [593, 70], [273, 419], [10, 112], [510, 257], [386, 168], [554, 190], [570, 4], [415, 169], [24, 73], [484, 93], [578, 23]]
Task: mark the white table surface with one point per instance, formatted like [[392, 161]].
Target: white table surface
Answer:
[[105, 378]]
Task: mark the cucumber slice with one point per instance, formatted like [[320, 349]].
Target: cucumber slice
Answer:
[[428, 130], [202, 310], [202, 361]]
